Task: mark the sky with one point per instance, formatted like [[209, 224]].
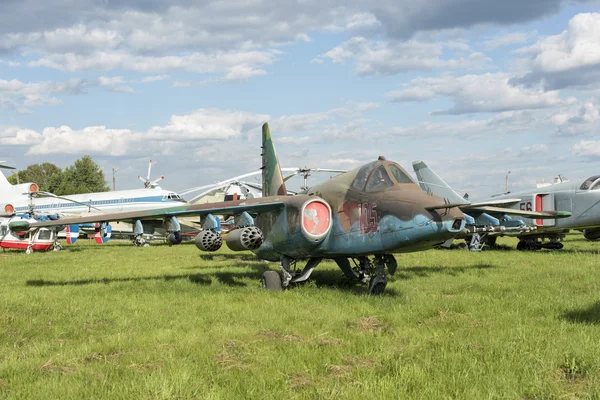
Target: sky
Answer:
[[475, 88]]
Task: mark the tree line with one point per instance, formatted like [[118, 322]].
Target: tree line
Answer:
[[84, 176]]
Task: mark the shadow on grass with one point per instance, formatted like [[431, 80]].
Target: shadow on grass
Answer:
[[324, 278], [228, 278], [226, 256], [422, 272], [196, 278], [589, 315]]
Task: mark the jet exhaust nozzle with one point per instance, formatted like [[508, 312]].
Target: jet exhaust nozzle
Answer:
[[208, 241], [248, 238]]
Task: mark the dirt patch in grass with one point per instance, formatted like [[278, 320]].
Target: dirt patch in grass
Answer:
[[103, 357], [231, 357], [292, 338], [3, 384], [50, 367], [143, 366], [339, 371], [329, 341], [370, 324], [299, 380], [350, 364], [272, 335], [574, 369]]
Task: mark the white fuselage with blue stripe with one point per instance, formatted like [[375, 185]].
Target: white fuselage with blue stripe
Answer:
[[100, 202]]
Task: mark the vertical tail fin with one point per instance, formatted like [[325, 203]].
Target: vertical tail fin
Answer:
[[4, 183], [273, 183], [432, 183]]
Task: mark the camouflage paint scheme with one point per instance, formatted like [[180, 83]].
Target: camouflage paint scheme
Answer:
[[376, 209]]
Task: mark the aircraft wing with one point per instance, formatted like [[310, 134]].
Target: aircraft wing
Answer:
[[497, 203], [251, 206], [474, 209]]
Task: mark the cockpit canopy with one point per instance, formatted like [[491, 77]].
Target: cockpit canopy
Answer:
[[172, 196], [591, 183], [379, 176]]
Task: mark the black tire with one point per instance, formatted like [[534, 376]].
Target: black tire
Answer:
[[271, 280], [491, 241], [377, 289]]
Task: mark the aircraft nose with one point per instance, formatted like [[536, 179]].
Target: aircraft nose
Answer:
[[447, 220]]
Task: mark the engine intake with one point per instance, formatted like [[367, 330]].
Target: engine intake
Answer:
[[248, 238], [208, 240]]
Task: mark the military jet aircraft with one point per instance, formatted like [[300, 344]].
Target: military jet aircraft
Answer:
[[375, 210], [565, 205]]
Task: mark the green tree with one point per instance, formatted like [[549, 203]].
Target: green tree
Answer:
[[45, 175], [84, 176]]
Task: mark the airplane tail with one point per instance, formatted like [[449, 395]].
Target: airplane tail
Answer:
[[432, 183], [4, 183], [273, 183]]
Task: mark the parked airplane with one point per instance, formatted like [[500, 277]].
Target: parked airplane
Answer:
[[153, 197], [374, 210], [576, 205]]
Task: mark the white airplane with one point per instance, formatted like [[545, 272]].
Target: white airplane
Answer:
[[17, 200]]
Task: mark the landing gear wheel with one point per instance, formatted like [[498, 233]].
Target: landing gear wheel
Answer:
[[377, 286], [491, 241], [29, 250], [271, 280]]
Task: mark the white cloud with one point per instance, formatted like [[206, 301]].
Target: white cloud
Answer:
[[587, 148], [392, 57], [155, 78], [477, 93], [509, 39], [577, 120], [533, 150], [195, 62], [20, 95], [571, 58]]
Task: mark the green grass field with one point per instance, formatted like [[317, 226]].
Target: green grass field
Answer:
[[117, 322]]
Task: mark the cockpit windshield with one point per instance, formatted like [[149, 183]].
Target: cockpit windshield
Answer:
[[173, 196], [362, 175], [399, 175], [592, 183], [379, 180]]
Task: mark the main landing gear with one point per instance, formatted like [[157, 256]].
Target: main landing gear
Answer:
[[533, 244], [139, 241], [289, 273], [373, 273]]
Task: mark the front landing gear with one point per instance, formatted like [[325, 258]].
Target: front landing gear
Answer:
[[271, 280], [373, 273], [379, 280]]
